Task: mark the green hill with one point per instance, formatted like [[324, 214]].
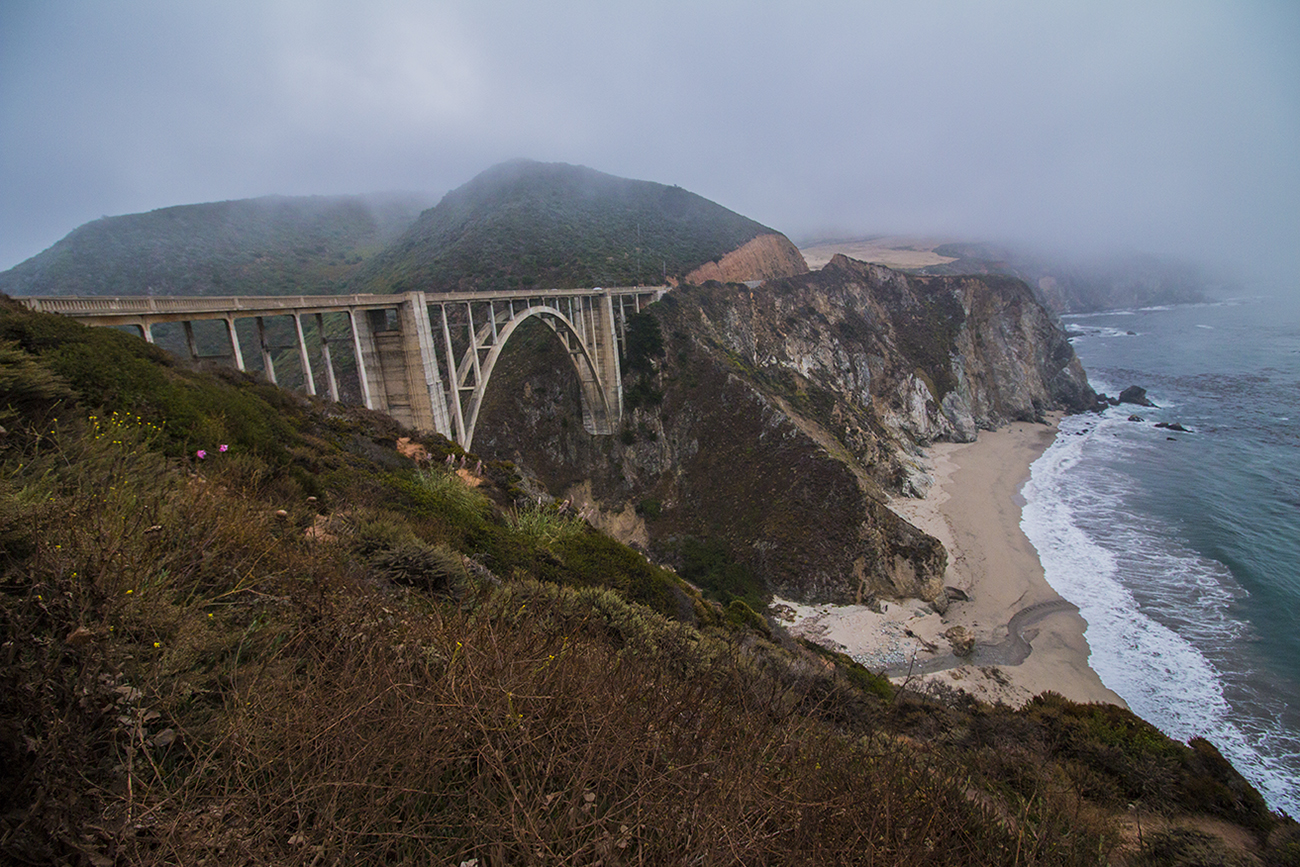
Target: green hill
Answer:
[[268, 246], [524, 223]]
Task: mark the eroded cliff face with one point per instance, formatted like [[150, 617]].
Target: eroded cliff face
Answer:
[[767, 257], [778, 420], [931, 357]]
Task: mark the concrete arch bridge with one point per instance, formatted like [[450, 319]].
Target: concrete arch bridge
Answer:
[[426, 359]]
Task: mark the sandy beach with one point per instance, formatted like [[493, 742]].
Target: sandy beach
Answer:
[[1027, 639]]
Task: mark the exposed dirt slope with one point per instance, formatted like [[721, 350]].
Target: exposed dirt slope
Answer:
[[764, 258]]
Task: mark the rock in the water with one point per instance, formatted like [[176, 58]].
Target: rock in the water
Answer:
[[1173, 426], [1135, 394], [1138, 418]]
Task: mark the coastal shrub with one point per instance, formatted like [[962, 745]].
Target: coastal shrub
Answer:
[[431, 568], [709, 564], [436, 491], [650, 508], [594, 559], [1283, 845], [105, 367], [642, 393], [1184, 847], [27, 386], [855, 672], [376, 531], [869, 682], [737, 613], [545, 526], [1211, 784], [643, 342]]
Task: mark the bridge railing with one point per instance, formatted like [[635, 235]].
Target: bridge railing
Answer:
[[214, 304]]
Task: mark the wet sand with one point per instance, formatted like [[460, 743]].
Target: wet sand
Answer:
[[1027, 638]]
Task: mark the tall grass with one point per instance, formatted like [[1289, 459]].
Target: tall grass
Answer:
[[452, 492], [545, 527]]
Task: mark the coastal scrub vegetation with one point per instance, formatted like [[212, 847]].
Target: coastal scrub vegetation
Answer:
[[275, 245], [239, 627]]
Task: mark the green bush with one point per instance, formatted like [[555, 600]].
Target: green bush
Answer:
[[545, 527], [650, 508], [709, 564], [643, 342], [426, 567], [594, 559]]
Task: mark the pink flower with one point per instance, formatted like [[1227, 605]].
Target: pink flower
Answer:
[[201, 454], [222, 447]]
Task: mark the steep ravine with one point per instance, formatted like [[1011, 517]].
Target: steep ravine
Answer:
[[776, 420]]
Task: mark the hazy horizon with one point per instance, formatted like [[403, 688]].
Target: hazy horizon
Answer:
[[1081, 127]]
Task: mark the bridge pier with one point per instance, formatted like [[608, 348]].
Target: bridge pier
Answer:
[[233, 337], [308, 381], [331, 382], [268, 361]]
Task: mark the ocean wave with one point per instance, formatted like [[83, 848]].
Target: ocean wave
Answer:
[[1154, 608], [1101, 331]]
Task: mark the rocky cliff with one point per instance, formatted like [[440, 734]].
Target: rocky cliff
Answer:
[[776, 421], [766, 257]]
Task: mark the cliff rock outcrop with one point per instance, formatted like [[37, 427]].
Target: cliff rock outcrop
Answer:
[[778, 420]]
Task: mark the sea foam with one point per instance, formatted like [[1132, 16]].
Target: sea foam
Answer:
[[1150, 606]]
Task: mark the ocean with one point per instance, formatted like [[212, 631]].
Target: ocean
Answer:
[[1182, 550]]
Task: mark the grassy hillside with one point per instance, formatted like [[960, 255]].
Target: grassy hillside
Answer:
[[240, 627], [523, 224], [269, 246]]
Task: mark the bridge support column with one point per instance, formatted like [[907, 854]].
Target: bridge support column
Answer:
[[363, 347], [268, 362], [309, 381], [331, 383], [189, 340], [428, 399], [234, 343], [606, 351]]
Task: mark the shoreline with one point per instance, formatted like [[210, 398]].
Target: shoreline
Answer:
[[1027, 638]]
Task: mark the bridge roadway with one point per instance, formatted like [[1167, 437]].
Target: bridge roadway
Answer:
[[425, 383]]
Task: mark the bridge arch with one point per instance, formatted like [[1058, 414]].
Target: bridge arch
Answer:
[[595, 392]]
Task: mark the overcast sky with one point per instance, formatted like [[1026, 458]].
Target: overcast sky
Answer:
[[1171, 127]]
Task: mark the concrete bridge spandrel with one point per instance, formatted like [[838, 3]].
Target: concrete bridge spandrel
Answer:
[[426, 359]]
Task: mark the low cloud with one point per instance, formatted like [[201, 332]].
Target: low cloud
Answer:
[[1166, 126]]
